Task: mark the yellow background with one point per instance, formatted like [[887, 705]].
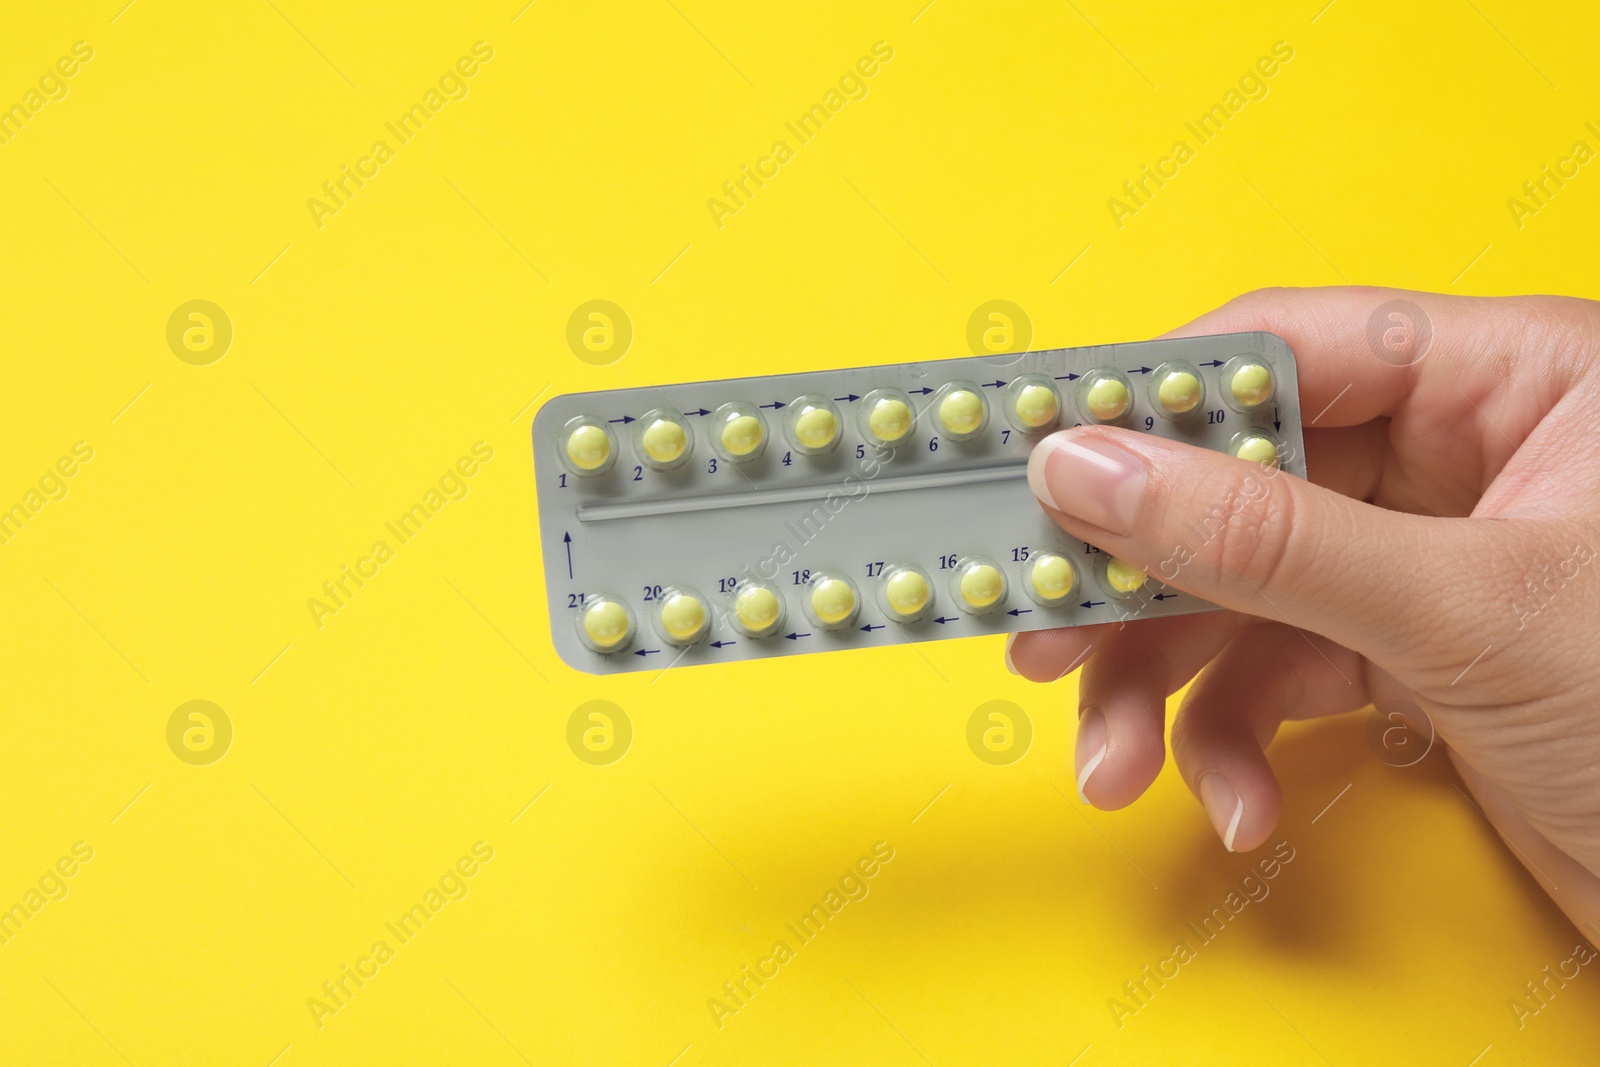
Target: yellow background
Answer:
[[430, 313]]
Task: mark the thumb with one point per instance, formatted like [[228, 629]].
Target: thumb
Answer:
[[1249, 537]]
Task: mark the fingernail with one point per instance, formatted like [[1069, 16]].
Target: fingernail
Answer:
[[1012, 667], [1091, 746], [1223, 804], [1087, 478]]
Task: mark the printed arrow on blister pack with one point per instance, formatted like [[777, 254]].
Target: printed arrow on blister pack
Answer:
[[702, 411], [1140, 370], [1019, 611], [1163, 596], [568, 539], [1066, 377], [869, 627], [775, 405], [847, 399], [941, 620], [997, 383], [796, 637], [625, 419], [924, 390], [647, 652], [1092, 604], [722, 644]]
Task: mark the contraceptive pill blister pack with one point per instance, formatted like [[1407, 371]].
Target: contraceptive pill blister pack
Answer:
[[784, 514]]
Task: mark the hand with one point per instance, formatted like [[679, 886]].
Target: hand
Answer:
[[1446, 554]]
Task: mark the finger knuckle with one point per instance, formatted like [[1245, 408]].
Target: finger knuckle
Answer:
[[1252, 528]]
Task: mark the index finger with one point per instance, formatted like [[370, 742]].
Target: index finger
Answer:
[[1363, 352]]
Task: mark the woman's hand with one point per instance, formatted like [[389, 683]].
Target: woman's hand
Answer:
[[1446, 555]]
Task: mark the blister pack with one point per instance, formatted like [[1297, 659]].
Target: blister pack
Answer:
[[786, 514]]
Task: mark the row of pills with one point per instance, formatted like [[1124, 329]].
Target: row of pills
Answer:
[[682, 616], [814, 424]]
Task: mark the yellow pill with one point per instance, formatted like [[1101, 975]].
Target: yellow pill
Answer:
[[816, 428], [682, 617], [664, 441], [1251, 385], [1258, 450], [1123, 577], [607, 625], [741, 435], [961, 412], [833, 600], [588, 447], [1179, 392], [1108, 399], [982, 585], [1053, 577], [1037, 406], [890, 420], [907, 592], [756, 607]]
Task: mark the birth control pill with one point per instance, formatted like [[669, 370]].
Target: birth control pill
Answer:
[[588, 446], [817, 428], [813, 425], [979, 585], [886, 416], [605, 624], [739, 432], [1122, 579], [1105, 395], [681, 618], [1032, 404], [831, 601], [664, 442], [1256, 446], [906, 594], [664, 439], [891, 419], [1249, 382], [742, 435], [962, 410], [1050, 578], [1178, 389], [757, 608]]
